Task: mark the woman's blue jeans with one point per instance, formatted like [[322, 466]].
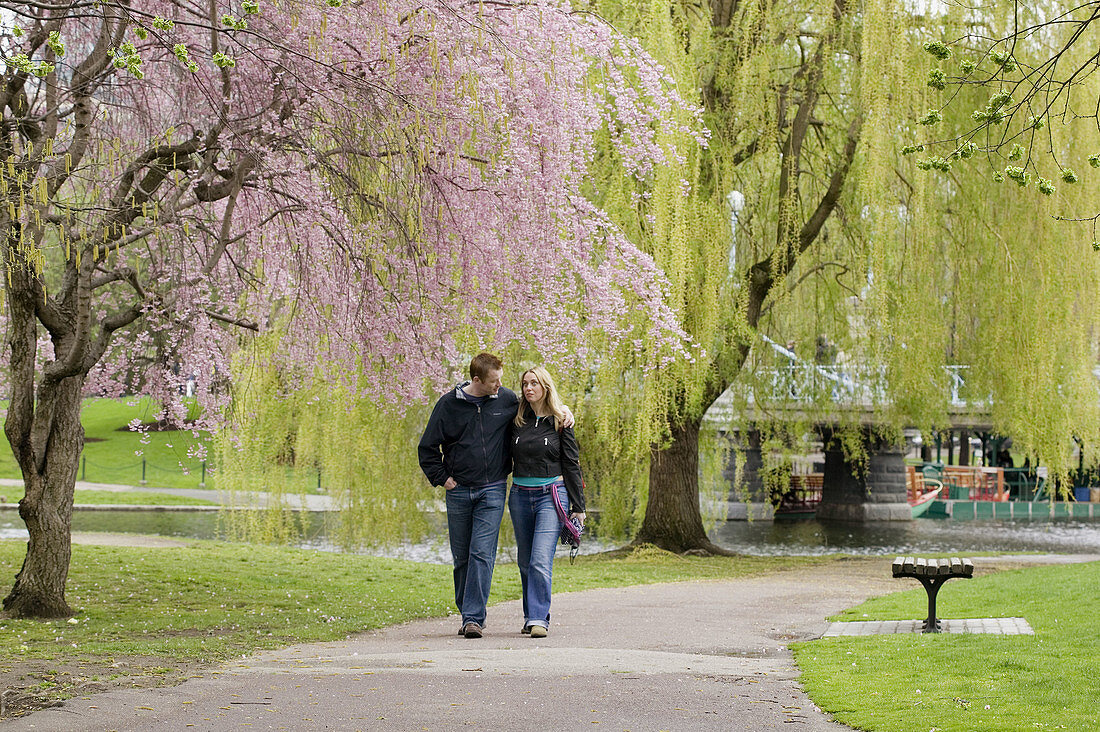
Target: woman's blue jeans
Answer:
[[473, 525], [537, 529]]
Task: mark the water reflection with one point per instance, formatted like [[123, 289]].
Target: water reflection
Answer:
[[192, 524], [209, 525], [907, 537], [758, 537]]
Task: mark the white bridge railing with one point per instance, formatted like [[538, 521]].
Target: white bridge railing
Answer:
[[801, 381]]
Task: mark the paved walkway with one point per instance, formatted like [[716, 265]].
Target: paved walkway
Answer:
[[685, 656], [242, 498]]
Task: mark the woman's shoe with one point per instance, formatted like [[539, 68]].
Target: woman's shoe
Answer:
[[537, 631]]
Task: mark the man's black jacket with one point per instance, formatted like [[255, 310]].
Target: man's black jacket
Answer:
[[466, 441]]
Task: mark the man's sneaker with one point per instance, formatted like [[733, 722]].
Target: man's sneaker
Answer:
[[526, 630], [537, 631], [471, 630]]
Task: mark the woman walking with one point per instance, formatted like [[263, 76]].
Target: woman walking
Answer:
[[545, 466]]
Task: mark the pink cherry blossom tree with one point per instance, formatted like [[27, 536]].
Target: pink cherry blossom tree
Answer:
[[382, 182]]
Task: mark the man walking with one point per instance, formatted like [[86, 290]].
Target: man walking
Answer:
[[464, 448]]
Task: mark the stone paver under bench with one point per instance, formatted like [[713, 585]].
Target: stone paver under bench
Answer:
[[997, 626]]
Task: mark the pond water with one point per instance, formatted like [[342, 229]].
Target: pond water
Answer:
[[811, 537], [796, 538]]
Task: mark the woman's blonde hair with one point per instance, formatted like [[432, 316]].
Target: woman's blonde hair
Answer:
[[550, 398]]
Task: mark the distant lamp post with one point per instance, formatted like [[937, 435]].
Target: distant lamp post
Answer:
[[736, 202]]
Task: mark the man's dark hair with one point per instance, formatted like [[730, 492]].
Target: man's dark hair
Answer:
[[483, 363]]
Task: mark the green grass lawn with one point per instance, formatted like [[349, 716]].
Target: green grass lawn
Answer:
[[114, 454], [970, 682]]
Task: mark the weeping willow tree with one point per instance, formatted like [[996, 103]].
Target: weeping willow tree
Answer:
[[674, 215], [997, 270], [793, 122], [979, 253], [296, 436], [901, 260]]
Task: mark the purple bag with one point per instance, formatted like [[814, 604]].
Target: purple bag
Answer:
[[571, 528]]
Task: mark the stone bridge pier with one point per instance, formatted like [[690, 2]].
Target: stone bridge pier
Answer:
[[873, 490]]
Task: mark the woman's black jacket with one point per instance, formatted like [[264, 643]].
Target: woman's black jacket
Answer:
[[539, 450]]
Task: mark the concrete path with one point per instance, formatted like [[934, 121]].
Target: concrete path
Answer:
[[685, 656]]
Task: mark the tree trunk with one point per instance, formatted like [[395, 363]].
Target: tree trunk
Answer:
[[47, 507], [672, 519]]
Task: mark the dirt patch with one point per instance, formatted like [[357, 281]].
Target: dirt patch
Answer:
[[28, 685]]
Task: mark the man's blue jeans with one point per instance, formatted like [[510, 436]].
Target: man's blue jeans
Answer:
[[537, 530], [473, 525]]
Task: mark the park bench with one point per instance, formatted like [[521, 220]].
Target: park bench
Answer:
[[932, 573]]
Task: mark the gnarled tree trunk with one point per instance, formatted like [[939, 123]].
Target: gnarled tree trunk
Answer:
[[672, 519], [57, 439]]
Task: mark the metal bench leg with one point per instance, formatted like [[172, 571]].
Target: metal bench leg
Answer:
[[932, 587]]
